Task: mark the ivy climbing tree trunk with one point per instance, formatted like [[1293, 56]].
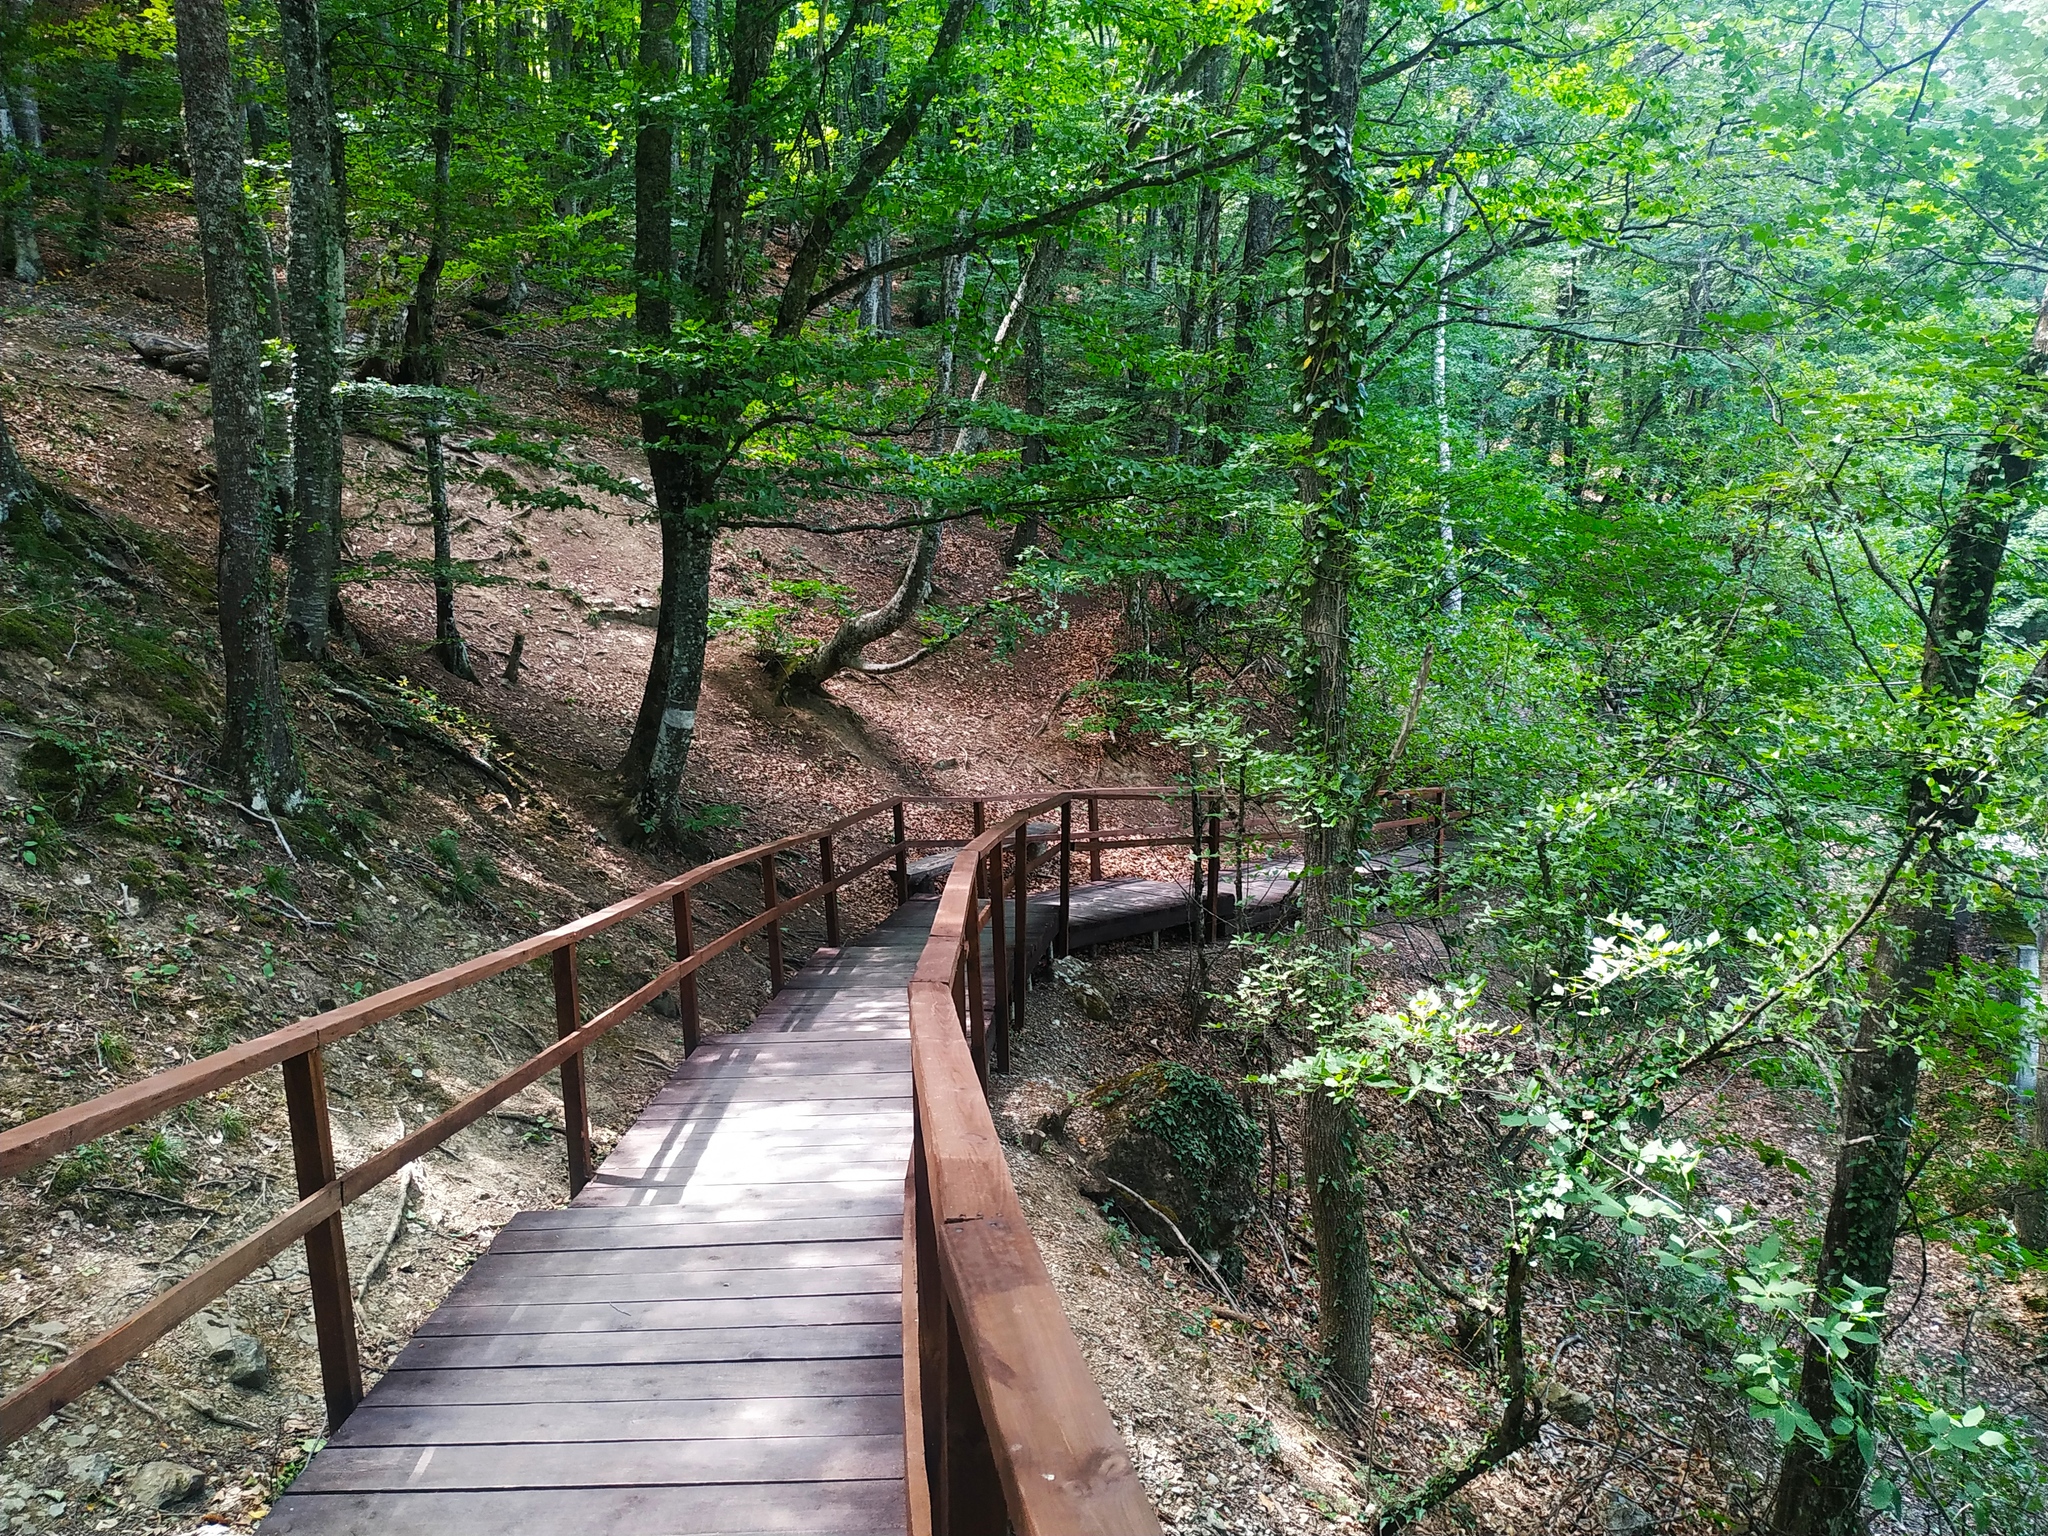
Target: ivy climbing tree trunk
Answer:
[[257, 751], [1321, 79], [313, 278], [1820, 1490]]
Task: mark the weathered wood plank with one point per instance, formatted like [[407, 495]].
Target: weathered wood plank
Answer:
[[816, 1509], [507, 1282], [707, 1381], [457, 1316], [707, 1419], [814, 1341]]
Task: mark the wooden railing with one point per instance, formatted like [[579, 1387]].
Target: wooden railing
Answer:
[[1005, 1421]]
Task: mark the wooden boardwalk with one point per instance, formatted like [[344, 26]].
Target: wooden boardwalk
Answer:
[[708, 1339]]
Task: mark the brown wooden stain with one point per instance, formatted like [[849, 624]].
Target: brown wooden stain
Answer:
[[712, 1335]]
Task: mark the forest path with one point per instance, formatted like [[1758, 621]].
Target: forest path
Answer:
[[708, 1338]]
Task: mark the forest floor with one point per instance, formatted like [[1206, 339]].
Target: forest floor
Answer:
[[148, 920]]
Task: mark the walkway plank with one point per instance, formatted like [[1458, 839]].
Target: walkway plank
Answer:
[[708, 1340]]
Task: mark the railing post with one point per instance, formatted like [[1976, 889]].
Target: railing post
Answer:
[[931, 1316], [999, 970], [1198, 912], [1020, 951], [686, 987], [575, 1104], [1215, 867], [968, 1500], [1094, 838], [831, 896], [1066, 870], [975, 1017], [902, 856], [770, 899], [334, 1316]]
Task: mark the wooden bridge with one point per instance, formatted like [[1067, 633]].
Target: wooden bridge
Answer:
[[799, 1295]]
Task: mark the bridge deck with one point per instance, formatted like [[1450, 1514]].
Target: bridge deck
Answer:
[[708, 1339]]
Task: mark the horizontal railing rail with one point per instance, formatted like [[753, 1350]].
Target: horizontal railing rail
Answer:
[[990, 1361], [325, 1189]]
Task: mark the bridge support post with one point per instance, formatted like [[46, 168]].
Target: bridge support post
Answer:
[[770, 899], [999, 968], [1213, 906], [831, 896], [968, 1500], [686, 987], [575, 1102], [1020, 952], [902, 855], [334, 1314], [1066, 873], [1094, 838]]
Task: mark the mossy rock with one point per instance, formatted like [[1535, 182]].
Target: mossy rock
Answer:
[[1180, 1139], [72, 781]]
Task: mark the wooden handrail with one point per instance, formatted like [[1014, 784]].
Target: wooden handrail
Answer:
[[1011, 1367], [1034, 1416], [324, 1190]]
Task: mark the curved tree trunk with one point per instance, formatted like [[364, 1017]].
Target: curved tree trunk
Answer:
[[316, 307], [1820, 1493], [257, 751], [844, 650]]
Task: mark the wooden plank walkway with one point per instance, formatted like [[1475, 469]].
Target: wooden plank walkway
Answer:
[[707, 1341]]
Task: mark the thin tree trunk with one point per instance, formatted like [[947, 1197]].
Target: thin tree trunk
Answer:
[[419, 360], [855, 634], [1454, 588], [316, 308], [449, 649], [1261, 211], [92, 234], [257, 751], [1820, 1492]]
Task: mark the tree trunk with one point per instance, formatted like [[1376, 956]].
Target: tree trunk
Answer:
[[419, 360], [1035, 453], [1325, 39], [15, 145], [18, 487], [1820, 1494], [92, 235], [1228, 412], [317, 303], [1344, 1278], [855, 634], [257, 751], [448, 647], [684, 456]]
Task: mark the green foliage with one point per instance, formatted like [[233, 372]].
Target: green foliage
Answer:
[[164, 1159], [78, 1169], [465, 878]]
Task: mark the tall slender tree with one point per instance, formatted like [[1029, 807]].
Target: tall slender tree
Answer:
[[257, 749], [314, 279]]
